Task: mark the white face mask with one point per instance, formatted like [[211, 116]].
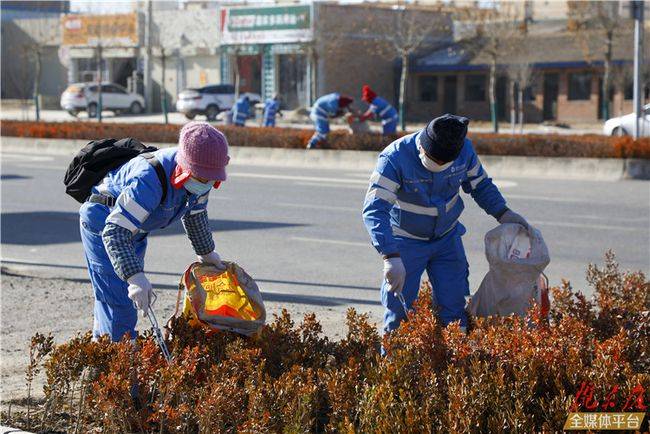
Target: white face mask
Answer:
[[431, 165]]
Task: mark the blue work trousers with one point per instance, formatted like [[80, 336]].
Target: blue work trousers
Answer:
[[322, 126], [446, 264], [114, 312]]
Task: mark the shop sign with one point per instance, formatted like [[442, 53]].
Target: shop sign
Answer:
[[108, 30], [266, 25]]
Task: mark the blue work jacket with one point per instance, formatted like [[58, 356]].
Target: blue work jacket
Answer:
[[327, 106], [138, 191], [383, 109], [271, 107], [406, 200]]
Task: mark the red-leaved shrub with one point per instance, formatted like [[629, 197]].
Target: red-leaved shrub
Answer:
[[540, 145], [505, 375]]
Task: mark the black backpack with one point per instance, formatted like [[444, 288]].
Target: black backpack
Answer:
[[99, 157]]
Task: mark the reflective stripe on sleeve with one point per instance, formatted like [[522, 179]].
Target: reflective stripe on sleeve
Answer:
[[389, 120], [474, 170], [418, 209], [474, 183], [382, 181], [203, 199], [121, 220], [452, 202], [322, 111], [132, 207], [197, 211], [380, 193], [399, 232], [384, 111]]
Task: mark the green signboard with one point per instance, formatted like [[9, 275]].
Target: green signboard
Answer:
[[273, 24]]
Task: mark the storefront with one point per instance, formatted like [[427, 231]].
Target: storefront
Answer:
[[110, 40], [266, 50]]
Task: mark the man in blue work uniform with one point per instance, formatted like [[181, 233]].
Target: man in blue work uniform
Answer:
[[327, 106], [241, 110], [381, 108], [128, 204], [411, 211], [271, 110]]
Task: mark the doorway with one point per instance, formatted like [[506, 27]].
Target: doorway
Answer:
[[449, 95], [250, 73], [292, 83], [551, 91]]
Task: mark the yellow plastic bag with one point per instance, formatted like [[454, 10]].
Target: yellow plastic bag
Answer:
[[222, 299]]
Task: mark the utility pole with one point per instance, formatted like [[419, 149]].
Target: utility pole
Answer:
[[99, 80], [148, 88], [163, 91], [637, 13]]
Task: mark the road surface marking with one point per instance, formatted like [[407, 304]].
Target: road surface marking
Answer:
[[326, 185], [10, 156], [321, 207], [588, 226], [331, 180], [549, 198], [324, 241]]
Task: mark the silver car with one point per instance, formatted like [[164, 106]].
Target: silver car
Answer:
[[209, 100], [80, 97]]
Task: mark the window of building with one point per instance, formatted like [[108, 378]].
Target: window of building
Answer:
[[428, 86], [628, 91], [579, 86], [475, 87]]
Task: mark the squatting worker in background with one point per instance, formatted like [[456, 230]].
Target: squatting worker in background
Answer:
[[381, 108], [115, 237], [332, 105], [411, 211]]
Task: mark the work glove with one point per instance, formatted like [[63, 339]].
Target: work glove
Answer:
[[212, 258], [394, 274], [512, 217], [140, 291]]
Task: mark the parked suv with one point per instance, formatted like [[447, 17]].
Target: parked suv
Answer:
[[209, 100], [84, 96]]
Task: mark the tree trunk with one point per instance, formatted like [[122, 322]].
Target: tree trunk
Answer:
[[99, 83], [607, 68], [236, 75], [513, 104], [402, 92], [163, 93], [520, 95], [37, 84], [492, 93]]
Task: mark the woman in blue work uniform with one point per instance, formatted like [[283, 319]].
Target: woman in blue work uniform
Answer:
[[271, 110], [128, 204]]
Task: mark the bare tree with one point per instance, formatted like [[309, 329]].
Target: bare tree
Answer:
[[521, 76], [597, 26], [493, 33], [410, 28], [39, 37]]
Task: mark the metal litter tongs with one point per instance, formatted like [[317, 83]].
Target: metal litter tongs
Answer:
[[400, 297], [157, 334]]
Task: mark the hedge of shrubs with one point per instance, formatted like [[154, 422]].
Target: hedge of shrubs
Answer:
[[505, 375], [544, 145]]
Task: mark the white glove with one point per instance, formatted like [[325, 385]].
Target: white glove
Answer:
[[512, 217], [212, 258], [394, 274], [140, 291]]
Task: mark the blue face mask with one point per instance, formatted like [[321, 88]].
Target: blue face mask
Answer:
[[196, 187]]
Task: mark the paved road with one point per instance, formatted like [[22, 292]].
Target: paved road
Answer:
[[299, 232], [178, 118]]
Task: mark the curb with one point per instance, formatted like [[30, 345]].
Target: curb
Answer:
[[591, 169], [10, 430]]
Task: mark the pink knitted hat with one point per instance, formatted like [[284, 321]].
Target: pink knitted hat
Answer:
[[203, 151]]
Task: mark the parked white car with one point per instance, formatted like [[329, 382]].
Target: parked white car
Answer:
[[80, 97], [209, 100], [624, 125]]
